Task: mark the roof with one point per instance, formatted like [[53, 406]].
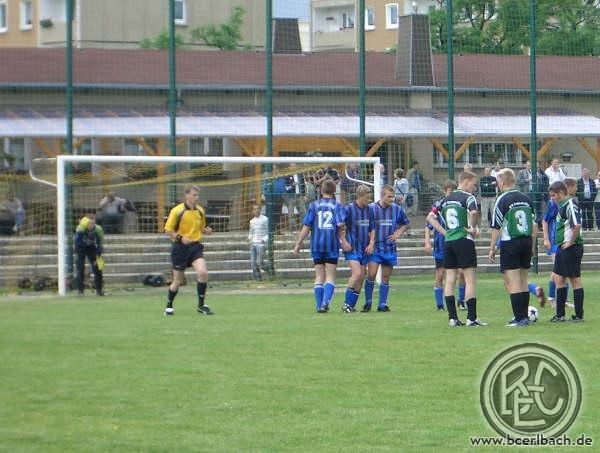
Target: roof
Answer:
[[302, 126], [108, 67]]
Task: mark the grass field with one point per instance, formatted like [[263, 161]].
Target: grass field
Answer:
[[265, 373]]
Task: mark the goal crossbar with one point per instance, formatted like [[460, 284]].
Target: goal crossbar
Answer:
[[63, 160]]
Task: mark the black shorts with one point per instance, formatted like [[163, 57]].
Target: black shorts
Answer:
[[439, 264], [515, 254], [325, 260], [182, 256], [567, 262], [460, 254]]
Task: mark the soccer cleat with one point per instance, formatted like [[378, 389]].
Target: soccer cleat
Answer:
[[204, 310], [455, 323], [521, 323], [169, 311], [366, 308], [575, 318], [348, 309], [384, 309], [539, 293], [323, 309], [462, 305], [476, 323], [100, 293], [557, 318], [441, 308]]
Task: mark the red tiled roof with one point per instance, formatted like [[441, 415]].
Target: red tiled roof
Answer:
[[149, 67]]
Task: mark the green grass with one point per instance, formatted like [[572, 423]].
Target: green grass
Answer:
[[265, 373]]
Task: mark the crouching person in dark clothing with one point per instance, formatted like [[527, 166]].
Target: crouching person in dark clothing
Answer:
[[88, 244]]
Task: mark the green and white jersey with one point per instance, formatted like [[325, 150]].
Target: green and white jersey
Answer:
[[569, 216], [455, 211], [513, 215]]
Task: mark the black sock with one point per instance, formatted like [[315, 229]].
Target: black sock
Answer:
[[170, 298], [561, 300], [472, 309], [525, 305], [451, 307], [514, 302], [201, 290], [578, 301]]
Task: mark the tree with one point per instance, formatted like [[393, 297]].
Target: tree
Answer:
[[161, 41], [564, 27], [227, 36]]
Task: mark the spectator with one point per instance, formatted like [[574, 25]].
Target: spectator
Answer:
[[401, 188], [112, 213], [499, 166], [258, 235], [415, 181], [541, 200], [12, 214], [597, 201], [555, 173], [524, 179], [487, 192], [349, 183], [294, 199], [322, 175], [586, 194]]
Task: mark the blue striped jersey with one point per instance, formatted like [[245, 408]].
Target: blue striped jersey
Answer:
[[438, 239], [385, 222], [323, 218], [358, 226], [550, 219]]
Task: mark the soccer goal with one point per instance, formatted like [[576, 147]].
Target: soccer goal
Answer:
[[131, 197]]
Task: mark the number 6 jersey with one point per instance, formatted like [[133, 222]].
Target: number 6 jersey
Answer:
[[513, 215], [455, 213]]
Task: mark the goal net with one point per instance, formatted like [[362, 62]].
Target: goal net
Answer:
[[131, 197]]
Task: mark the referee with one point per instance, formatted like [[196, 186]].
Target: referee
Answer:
[[185, 226]]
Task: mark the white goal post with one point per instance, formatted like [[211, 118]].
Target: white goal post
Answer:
[[63, 160]]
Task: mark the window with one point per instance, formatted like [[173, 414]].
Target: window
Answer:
[[12, 154], [3, 21], [136, 171], [26, 15], [369, 19], [347, 20], [180, 12], [84, 149], [203, 146], [484, 154], [391, 15]]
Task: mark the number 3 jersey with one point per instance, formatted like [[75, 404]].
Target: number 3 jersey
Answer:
[[513, 215], [323, 217], [455, 209]]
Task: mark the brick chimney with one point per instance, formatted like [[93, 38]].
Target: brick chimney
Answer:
[[414, 66]]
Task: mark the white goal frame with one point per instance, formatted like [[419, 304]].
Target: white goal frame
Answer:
[[63, 160]]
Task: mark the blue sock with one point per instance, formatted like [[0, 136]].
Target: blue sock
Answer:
[[461, 294], [383, 294], [532, 288], [438, 294], [369, 286], [552, 289], [351, 297], [318, 289], [328, 294]]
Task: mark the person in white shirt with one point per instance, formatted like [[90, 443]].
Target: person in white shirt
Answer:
[[555, 173], [597, 201], [258, 235]]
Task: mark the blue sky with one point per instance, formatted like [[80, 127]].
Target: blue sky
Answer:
[[298, 9]]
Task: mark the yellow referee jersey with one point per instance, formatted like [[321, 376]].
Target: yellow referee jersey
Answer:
[[186, 222]]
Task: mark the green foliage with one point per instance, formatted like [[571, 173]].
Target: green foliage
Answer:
[[227, 36], [564, 27], [161, 41]]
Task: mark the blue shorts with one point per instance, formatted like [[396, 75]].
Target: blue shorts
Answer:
[[387, 259], [552, 250], [360, 257], [325, 257]]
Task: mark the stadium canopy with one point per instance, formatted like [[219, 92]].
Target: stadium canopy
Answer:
[[401, 126]]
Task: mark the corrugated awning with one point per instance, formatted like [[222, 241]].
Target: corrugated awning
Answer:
[[303, 126]]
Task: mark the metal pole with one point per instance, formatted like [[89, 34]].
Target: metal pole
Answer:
[[450, 58], [171, 195], [361, 78], [533, 114], [69, 139], [269, 117]]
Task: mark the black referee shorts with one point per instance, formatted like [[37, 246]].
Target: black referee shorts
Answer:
[[460, 254], [182, 256], [567, 262], [515, 254]]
